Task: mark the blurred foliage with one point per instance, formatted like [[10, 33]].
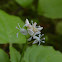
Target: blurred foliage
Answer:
[[8, 24], [59, 28], [24, 3], [41, 54], [47, 13], [50, 8], [14, 55], [3, 56]]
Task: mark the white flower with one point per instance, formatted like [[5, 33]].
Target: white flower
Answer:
[[33, 30], [22, 30]]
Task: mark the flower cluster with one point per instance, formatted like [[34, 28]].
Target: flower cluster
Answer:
[[33, 30]]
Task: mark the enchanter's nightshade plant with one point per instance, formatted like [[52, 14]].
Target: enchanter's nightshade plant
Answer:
[[33, 30]]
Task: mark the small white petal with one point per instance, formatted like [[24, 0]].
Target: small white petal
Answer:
[[40, 28], [37, 38], [24, 25], [17, 27], [23, 31], [27, 22], [17, 35], [30, 32], [39, 43], [34, 25], [42, 35], [37, 33], [35, 42], [32, 22], [43, 41], [30, 39]]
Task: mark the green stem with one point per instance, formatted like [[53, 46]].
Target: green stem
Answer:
[[10, 44], [24, 48]]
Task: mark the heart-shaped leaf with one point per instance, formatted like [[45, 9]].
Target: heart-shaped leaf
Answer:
[[41, 54], [3, 56], [14, 55], [8, 29], [24, 3], [50, 8]]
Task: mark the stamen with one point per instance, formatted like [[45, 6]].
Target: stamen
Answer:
[[27, 22], [43, 41], [43, 38], [35, 41], [42, 35], [30, 39], [32, 22], [39, 43], [17, 34], [19, 26]]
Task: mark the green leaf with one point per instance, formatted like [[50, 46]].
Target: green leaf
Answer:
[[24, 3], [41, 54], [50, 8], [59, 27], [8, 29], [3, 56], [14, 55]]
